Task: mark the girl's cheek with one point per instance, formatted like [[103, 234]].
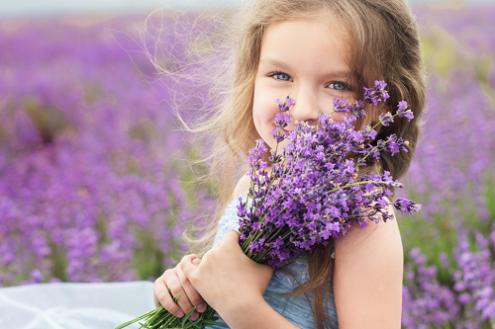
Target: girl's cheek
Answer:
[[270, 108]]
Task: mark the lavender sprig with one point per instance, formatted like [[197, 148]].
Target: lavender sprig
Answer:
[[312, 191]]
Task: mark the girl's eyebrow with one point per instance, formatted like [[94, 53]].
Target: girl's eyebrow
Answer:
[[269, 60], [337, 73]]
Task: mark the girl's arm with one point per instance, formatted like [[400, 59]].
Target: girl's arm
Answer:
[[367, 279], [233, 284], [256, 314]]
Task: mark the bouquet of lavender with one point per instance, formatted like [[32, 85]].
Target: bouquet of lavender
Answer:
[[311, 191]]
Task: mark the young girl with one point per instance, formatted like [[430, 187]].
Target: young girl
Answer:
[[314, 51]]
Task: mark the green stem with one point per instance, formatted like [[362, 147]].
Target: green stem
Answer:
[[150, 313]]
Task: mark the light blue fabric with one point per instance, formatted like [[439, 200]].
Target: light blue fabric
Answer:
[[296, 309]]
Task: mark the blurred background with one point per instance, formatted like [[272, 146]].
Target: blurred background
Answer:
[[96, 181]]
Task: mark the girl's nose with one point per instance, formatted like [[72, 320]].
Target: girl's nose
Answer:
[[306, 106]]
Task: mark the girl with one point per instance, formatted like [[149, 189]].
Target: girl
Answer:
[[314, 50]]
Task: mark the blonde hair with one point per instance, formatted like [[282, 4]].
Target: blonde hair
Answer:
[[385, 47]]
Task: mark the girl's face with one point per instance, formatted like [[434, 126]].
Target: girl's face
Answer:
[[306, 59]]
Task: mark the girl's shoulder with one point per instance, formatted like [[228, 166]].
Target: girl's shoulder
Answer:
[[228, 220], [386, 230], [376, 250], [375, 243]]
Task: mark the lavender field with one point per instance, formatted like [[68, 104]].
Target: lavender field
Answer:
[[96, 181]]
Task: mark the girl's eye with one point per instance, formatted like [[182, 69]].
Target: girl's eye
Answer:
[[280, 76], [338, 85]]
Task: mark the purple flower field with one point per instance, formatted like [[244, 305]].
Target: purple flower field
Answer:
[[91, 160], [96, 182]]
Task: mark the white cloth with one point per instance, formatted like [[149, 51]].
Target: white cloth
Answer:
[[74, 305]]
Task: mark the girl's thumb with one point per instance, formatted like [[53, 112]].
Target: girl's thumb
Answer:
[[196, 261]]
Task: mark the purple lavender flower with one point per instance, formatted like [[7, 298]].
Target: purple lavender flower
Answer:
[[402, 106], [282, 119], [403, 112], [406, 206], [341, 105], [377, 94], [286, 104], [394, 145], [386, 119]]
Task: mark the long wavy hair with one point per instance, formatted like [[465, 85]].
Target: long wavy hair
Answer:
[[385, 46]]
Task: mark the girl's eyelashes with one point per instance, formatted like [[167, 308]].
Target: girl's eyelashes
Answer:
[[336, 85], [285, 76], [340, 86]]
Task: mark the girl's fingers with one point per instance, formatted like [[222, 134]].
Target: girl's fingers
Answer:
[[178, 293], [192, 294], [163, 295]]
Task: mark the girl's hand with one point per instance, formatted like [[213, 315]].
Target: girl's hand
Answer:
[[174, 284], [226, 277]]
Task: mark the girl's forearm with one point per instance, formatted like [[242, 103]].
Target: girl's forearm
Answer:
[[256, 314]]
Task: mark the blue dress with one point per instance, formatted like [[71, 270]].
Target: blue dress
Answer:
[[296, 309]]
